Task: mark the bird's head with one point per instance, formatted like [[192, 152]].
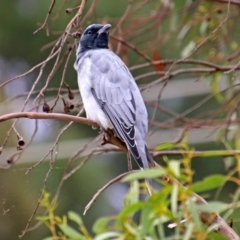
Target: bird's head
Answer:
[[95, 36]]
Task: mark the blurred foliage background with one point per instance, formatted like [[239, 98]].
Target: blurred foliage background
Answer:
[[196, 100]]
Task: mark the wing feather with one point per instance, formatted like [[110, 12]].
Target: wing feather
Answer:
[[102, 94], [114, 92]]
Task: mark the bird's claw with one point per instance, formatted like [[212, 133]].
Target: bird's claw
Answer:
[[105, 138]]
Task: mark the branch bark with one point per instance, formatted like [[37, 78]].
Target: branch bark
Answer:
[[57, 116]]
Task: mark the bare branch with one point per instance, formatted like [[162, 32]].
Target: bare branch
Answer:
[[46, 19], [116, 179], [57, 116]]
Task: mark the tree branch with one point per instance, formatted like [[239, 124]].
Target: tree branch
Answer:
[[57, 116], [111, 138]]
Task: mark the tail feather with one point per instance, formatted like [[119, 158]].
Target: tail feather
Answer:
[[147, 162], [150, 159]]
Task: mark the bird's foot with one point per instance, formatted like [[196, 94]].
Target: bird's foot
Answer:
[[107, 135], [105, 138]]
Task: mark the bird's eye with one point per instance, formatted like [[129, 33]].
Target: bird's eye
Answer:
[[89, 32]]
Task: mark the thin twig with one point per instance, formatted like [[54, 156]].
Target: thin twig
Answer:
[[116, 179], [57, 116], [46, 19]]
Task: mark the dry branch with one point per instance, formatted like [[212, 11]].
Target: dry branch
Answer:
[[57, 116], [116, 179]]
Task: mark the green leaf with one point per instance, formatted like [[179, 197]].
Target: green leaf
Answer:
[[195, 214], [75, 217], [58, 219], [133, 194], [131, 228], [175, 167], [70, 232], [107, 235], [209, 183], [145, 221], [100, 226], [161, 231], [142, 174], [174, 199], [188, 233], [130, 210], [166, 145], [213, 207], [229, 162]]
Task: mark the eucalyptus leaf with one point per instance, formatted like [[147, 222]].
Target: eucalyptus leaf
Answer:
[[142, 174], [175, 167], [165, 145], [100, 226], [174, 199], [209, 183], [188, 232], [75, 217], [213, 207], [195, 214], [107, 235], [70, 232], [130, 210], [145, 221], [133, 194]]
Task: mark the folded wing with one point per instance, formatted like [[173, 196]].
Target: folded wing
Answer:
[[113, 89]]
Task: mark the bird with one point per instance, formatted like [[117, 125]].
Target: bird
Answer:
[[110, 94]]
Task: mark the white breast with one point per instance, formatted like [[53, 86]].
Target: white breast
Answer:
[[92, 108]]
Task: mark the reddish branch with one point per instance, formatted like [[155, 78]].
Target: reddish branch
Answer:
[[58, 116]]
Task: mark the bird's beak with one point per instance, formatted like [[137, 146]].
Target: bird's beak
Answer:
[[105, 28]]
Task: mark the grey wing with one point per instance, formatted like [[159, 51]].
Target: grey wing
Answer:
[[114, 91]]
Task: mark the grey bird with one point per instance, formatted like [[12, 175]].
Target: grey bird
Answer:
[[110, 94]]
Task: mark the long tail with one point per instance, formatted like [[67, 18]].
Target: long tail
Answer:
[[150, 159], [147, 162], [140, 151]]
